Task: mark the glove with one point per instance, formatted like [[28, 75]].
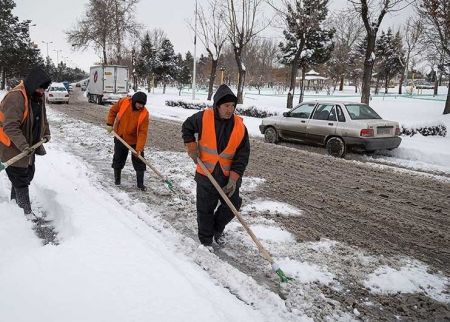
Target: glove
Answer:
[[230, 187], [46, 138], [138, 153], [28, 151], [192, 150], [109, 128]]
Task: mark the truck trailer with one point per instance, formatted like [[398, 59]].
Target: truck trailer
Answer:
[[107, 83]]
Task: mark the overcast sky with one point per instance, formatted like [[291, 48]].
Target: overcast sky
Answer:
[[53, 17]]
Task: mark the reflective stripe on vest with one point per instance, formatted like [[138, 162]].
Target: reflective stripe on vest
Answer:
[[4, 139], [124, 104], [207, 145]]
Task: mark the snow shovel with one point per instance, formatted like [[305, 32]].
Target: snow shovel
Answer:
[[264, 253], [21, 155], [164, 179]]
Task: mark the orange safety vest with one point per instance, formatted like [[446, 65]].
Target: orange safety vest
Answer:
[[4, 139], [124, 104], [207, 145]]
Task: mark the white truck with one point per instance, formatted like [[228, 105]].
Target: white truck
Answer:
[[107, 83]]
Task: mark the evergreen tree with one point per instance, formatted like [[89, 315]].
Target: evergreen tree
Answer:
[[184, 71], [166, 63], [146, 61], [389, 56], [17, 53], [306, 39]]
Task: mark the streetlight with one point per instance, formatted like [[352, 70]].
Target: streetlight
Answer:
[[47, 42], [57, 55]]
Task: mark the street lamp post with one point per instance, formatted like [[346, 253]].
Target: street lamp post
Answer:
[[57, 55], [47, 42]]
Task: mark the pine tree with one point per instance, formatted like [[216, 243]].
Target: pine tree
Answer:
[[166, 66], [306, 40], [184, 71], [146, 61], [17, 53]]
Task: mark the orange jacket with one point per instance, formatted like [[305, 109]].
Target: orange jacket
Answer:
[[130, 125], [207, 145]]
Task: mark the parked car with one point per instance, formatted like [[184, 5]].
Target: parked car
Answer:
[[57, 93], [336, 125]]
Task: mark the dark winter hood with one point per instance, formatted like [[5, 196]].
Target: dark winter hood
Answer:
[[138, 97], [37, 78], [224, 95]]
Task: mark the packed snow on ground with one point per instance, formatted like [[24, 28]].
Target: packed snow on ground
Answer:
[[271, 207], [410, 278], [109, 266]]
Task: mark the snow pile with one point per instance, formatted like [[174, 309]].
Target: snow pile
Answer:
[[411, 278], [271, 207], [272, 234], [305, 272]]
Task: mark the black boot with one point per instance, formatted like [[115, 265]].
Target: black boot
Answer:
[[140, 180], [117, 176], [23, 199], [13, 193]]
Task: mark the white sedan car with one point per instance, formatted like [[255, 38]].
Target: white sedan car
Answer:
[[335, 125], [57, 93]]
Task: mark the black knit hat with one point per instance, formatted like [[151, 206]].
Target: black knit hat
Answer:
[[139, 97], [227, 99]]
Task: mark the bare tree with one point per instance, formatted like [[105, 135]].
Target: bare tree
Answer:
[[243, 24], [124, 24], [436, 19], [411, 35], [106, 25], [213, 35], [348, 30], [95, 28], [372, 14]]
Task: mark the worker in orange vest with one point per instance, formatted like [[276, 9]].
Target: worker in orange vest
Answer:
[[129, 118], [223, 146], [23, 122]]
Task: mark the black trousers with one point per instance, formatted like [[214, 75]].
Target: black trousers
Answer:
[[121, 154], [209, 219], [20, 177]]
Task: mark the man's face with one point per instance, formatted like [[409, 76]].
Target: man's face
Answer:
[[226, 110], [139, 106], [39, 91]]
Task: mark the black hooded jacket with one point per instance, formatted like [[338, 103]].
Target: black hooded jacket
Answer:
[[37, 78], [193, 125]]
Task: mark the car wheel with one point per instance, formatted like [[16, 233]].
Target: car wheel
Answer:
[[335, 147], [271, 135]]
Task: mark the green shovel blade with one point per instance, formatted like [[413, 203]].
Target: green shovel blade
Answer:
[[282, 276], [170, 185]]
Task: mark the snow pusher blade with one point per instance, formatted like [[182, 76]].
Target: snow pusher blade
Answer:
[[264, 253]]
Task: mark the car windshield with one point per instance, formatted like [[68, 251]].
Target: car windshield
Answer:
[[58, 89], [361, 112]]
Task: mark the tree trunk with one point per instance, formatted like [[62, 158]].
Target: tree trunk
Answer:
[[164, 88], [241, 75], [3, 85], [302, 85], [105, 60], [436, 83], [290, 97], [400, 84], [377, 85], [386, 85], [447, 103], [368, 66], [212, 77], [341, 84]]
